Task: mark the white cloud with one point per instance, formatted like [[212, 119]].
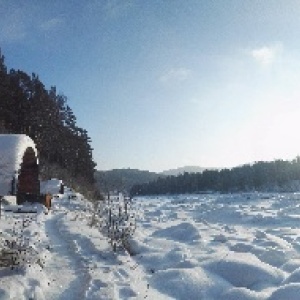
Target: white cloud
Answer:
[[178, 75], [266, 55], [51, 24]]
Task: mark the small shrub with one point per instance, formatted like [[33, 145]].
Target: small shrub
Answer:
[[15, 250], [117, 221]]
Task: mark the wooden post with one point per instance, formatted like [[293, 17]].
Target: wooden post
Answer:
[[13, 186], [0, 205], [48, 200]]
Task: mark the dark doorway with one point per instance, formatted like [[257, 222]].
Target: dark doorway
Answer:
[[28, 186]]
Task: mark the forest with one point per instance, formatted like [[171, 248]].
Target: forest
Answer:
[[27, 107], [278, 176]]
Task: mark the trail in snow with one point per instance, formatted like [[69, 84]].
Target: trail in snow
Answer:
[[66, 281], [82, 264], [74, 260], [73, 270]]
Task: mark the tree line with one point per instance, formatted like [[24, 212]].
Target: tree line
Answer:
[[278, 175], [27, 107], [122, 179]]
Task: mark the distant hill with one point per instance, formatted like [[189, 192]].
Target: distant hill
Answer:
[[123, 179], [188, 169]]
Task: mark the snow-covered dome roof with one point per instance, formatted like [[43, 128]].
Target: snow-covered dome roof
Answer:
[[12, 150]]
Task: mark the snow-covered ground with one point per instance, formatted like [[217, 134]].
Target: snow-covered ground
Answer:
[[243, 246]]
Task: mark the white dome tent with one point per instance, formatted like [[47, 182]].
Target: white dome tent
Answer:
[[19, 167]]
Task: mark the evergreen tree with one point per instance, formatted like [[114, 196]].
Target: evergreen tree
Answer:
[[27, 107]]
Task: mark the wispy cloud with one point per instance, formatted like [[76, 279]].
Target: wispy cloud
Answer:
[[175, 75], [116, 8], [51, 24], [12, 25], [13, 32], [110, 9], [17, 23], [266, 55]]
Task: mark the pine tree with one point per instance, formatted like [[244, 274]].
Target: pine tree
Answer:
[[26, 106]]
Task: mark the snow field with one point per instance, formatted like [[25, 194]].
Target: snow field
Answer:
[[210, 247], [243, 246]]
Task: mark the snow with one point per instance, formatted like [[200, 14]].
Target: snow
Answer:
[[12, 149], [51, 186], [240, 246]]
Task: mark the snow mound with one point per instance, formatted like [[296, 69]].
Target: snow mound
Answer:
[[294, 277], [221, 238], [241, 293], [241, 247], [188, 284], [177, 257], [245, 270], [184, 232], [289, 292], [291, 265], [137, 247], [274, 257]]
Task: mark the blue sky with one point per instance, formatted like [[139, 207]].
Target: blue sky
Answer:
[[164, 84]]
